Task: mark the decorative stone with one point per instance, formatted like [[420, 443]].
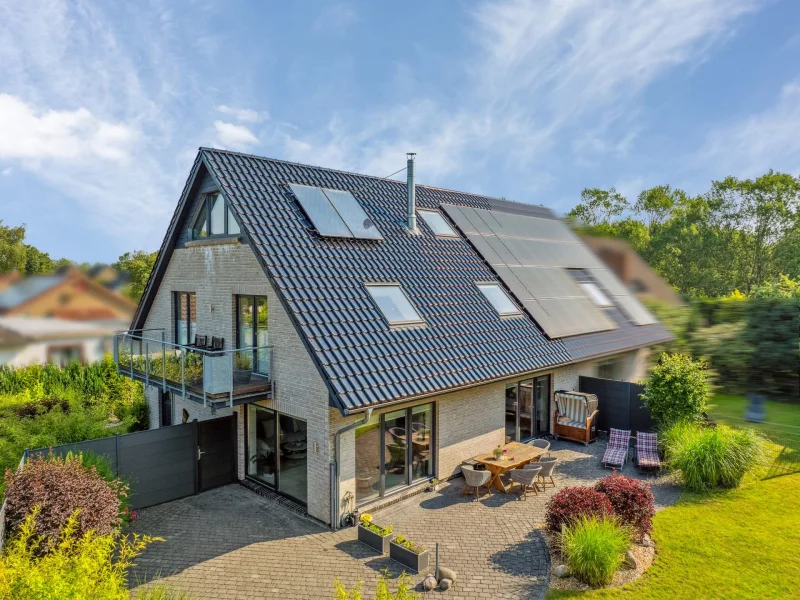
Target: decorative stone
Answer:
[[445, 584], [561, 571], [647, 540], [630, 560], [445, 573], [429, 583]]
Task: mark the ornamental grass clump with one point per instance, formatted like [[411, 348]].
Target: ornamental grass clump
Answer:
[[595, 548], [711, 457], [573, 502]]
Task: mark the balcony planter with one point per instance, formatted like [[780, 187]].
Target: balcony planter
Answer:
[[376, 541], [242, 376], [415, 558]]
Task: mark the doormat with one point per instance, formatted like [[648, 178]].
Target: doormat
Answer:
[[275, 497]]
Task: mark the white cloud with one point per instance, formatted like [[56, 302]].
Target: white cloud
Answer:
[[246, 115], [234, 137], [7, 172], [756, 143], [26, 133], [543, 71]]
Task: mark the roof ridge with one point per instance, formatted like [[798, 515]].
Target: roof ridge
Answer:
[[343, 172]]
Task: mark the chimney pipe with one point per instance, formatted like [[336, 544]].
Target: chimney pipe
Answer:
[[412, 194]]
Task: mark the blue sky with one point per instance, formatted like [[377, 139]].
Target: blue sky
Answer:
[[104, 104]]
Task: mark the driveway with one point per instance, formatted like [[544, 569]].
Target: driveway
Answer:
[[230, 543]]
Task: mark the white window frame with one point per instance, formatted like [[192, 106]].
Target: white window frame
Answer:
[[403, 292], [595, 294], [422, 212], [484, 284]]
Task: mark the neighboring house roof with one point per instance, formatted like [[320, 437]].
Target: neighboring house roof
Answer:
[[15, 331], [35, 289], [634, 272], [322, 284], [27, 289]]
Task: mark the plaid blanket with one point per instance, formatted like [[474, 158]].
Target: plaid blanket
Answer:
[[647, 450]]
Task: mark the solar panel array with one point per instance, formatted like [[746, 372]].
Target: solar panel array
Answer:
[[532, 255], [335, 213]]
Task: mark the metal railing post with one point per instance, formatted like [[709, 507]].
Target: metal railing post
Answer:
[[232, 361], [116, 352], [204, 380], [147, 363], [131, 360], [183, 374], [163, 362]]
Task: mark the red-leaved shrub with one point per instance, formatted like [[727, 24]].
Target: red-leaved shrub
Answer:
[[572, 502], [61, 486], [631, 499]]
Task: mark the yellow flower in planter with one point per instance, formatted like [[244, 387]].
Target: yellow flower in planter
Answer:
[[365, 519]]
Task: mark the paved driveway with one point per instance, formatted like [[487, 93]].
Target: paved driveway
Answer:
[[230, 543]]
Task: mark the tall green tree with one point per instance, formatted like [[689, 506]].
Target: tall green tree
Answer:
[[599, 206], [13, 251], [763, 210], [138, 265], [657, 203]]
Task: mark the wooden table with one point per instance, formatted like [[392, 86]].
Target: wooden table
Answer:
[[522, 454]]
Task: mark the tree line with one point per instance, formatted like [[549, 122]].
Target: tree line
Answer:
[[742, 236]]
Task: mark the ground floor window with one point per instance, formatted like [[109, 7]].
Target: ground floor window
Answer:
[[528, 408], [277, 451], [609, 369], [62, 356], [394, 450]]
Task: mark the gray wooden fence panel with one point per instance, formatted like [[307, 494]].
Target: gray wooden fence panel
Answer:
[[619, 403], [159, 464]]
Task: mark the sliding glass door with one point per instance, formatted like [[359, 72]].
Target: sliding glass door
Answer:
[[277, 451], [528, 408], [394, 450], [252, 331]]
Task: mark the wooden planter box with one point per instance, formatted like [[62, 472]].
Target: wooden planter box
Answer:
[[411, 560], [373, 540]]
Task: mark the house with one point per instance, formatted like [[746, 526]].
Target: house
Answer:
[[68, 294], [38, 340], [369, 334], [109, 277], [634, 272]]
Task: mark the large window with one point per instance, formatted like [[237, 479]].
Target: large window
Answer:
[[528, 408], [214, 218], [394, 304], [394, 450], [252, 332], [436, 222], [185, 317], [277, 448]]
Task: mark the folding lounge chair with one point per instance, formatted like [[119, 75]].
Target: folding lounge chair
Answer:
[[617, 451], [647, 451]]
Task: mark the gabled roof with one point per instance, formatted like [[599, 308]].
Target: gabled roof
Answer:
[[27, 289], [322, 283]]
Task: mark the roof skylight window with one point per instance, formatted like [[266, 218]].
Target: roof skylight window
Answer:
[[335, 213], [394, 304], [498, 299], [437, 223], [595, 294]]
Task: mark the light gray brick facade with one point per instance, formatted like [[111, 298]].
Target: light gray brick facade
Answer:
[[468, 422]]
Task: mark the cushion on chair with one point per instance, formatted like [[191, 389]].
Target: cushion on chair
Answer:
[[614, 456], [647, 450], [572, 409], [619, 438]]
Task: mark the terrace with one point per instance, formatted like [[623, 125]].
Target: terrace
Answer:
[[215, 376]]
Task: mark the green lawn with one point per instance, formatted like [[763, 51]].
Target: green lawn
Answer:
[[736, 544], [729, 409]]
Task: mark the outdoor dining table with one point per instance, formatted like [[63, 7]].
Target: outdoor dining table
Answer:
[[515, 456]]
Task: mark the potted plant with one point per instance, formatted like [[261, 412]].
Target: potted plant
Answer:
[[498, 452], [373, 535], [242, 369], [432, 484], [410, 555]]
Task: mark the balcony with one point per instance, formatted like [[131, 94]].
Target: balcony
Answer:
[[215, 378]]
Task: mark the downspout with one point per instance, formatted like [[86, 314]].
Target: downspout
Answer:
[[335, 467]]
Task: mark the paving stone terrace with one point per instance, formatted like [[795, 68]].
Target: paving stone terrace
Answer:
[[230, 543]]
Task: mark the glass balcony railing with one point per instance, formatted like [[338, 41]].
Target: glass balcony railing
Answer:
[[199, 373]]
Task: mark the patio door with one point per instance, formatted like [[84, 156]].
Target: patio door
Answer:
[[528, 408]]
